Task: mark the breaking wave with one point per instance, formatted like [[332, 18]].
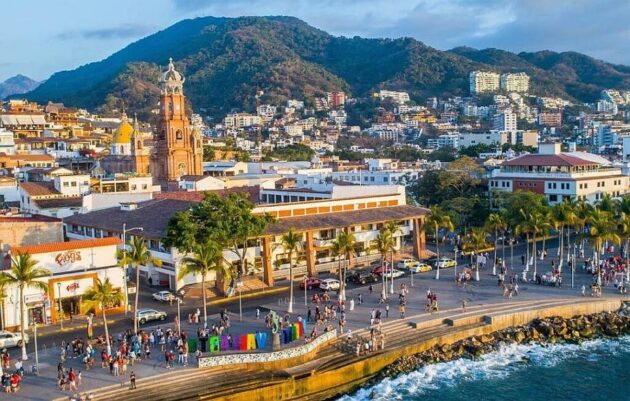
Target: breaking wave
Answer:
[[501, 364]]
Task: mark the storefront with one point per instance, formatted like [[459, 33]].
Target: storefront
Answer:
[[75, 267]]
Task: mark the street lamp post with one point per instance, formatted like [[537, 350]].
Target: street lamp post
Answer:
[[305, 294], [455, 252], [36, 353], [411, 276], [239, 285], [179, 318], [125, 264], [59, 302]]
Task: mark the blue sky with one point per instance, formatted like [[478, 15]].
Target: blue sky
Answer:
[[40, 37]]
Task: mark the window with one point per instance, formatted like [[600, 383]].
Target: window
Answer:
[[74, 183], [66, 184], [178, 135], [144, 186], [553, 198], [133, 187]]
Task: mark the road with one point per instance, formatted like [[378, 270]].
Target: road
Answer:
[[52, 335]]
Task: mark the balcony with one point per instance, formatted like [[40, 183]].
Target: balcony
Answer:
[[323, 242]]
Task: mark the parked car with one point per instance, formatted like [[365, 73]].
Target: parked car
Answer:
[[163, 296], [147, 315], [329, 284], [445, 263], [8, 339], [364, 277], [421, 267], [406, 263], [395, 273], [310, 283], [381, 269]]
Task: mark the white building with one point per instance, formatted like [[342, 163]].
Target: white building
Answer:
[[505, 121], [241, 120], [7, 142], [74, 266], [560, 176], [515, 82], [398, 97], [448, 140], [483, 82]]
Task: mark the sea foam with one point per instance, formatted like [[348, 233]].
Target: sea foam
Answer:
[[496, 365]]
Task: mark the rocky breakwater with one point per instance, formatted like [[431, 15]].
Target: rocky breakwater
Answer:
[[548, 330]]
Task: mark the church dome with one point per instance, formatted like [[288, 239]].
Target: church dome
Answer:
[[123, 133]]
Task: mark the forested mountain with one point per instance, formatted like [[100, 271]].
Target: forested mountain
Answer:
[[227, 60]]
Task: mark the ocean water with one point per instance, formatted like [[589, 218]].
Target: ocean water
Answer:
[[597, 370]]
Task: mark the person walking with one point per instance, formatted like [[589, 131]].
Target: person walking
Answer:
[[402, 310], [132, 381], [387, 310]]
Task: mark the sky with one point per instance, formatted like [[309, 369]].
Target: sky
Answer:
[[40, 37]]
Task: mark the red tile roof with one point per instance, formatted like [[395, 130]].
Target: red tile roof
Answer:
[[197, 196], [548, 160], [66, 246], [39, 188]]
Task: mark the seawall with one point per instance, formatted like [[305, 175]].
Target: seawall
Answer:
[[334, 380]]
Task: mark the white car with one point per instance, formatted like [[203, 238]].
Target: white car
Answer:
[[147, 315], [163, 296], [395, 273], [330, 284], [8, 339]]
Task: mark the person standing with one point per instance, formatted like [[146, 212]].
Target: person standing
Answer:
[[132, 381], [402, 310], [72, 378], [387, 310]]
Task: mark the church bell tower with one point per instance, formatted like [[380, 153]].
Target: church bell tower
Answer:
[[178, 148]]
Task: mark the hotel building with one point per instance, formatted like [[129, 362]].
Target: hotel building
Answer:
[[560, 176]]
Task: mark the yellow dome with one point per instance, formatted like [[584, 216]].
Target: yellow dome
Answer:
[[123, 133]]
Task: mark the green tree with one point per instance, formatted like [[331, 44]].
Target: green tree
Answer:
[[474, 241], [382, 244], [496, 223], [601, 229], [291, 242], [345, 244], [102, 295], [228, 221], [206, 258], [25, 273], [436, 220], [137, 255]]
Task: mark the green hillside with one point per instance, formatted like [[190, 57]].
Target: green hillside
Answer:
[[227, 60]]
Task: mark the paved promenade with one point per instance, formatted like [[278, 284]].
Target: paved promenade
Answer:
[[485, 294]]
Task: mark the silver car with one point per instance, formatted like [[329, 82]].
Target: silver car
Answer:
[[147, 315], [8, 339]]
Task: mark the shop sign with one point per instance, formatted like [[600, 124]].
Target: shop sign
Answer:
[[33, 298], [68, 257]]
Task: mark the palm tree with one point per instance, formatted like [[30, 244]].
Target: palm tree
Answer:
[[624, 232], [206, 258], [608, 204], [25, 273], [291, 242], [545, 225], [583, 210], [436, 220], [138, 255], [382, 245], [570, 221], [393, 229], [476, 240], [101, 296], [539, 224], [524, 227], [496, 222], [559, 221], [601, 229], [345, 244]]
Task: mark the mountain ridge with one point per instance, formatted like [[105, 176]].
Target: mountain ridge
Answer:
[[226, 61], [16, 85]]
